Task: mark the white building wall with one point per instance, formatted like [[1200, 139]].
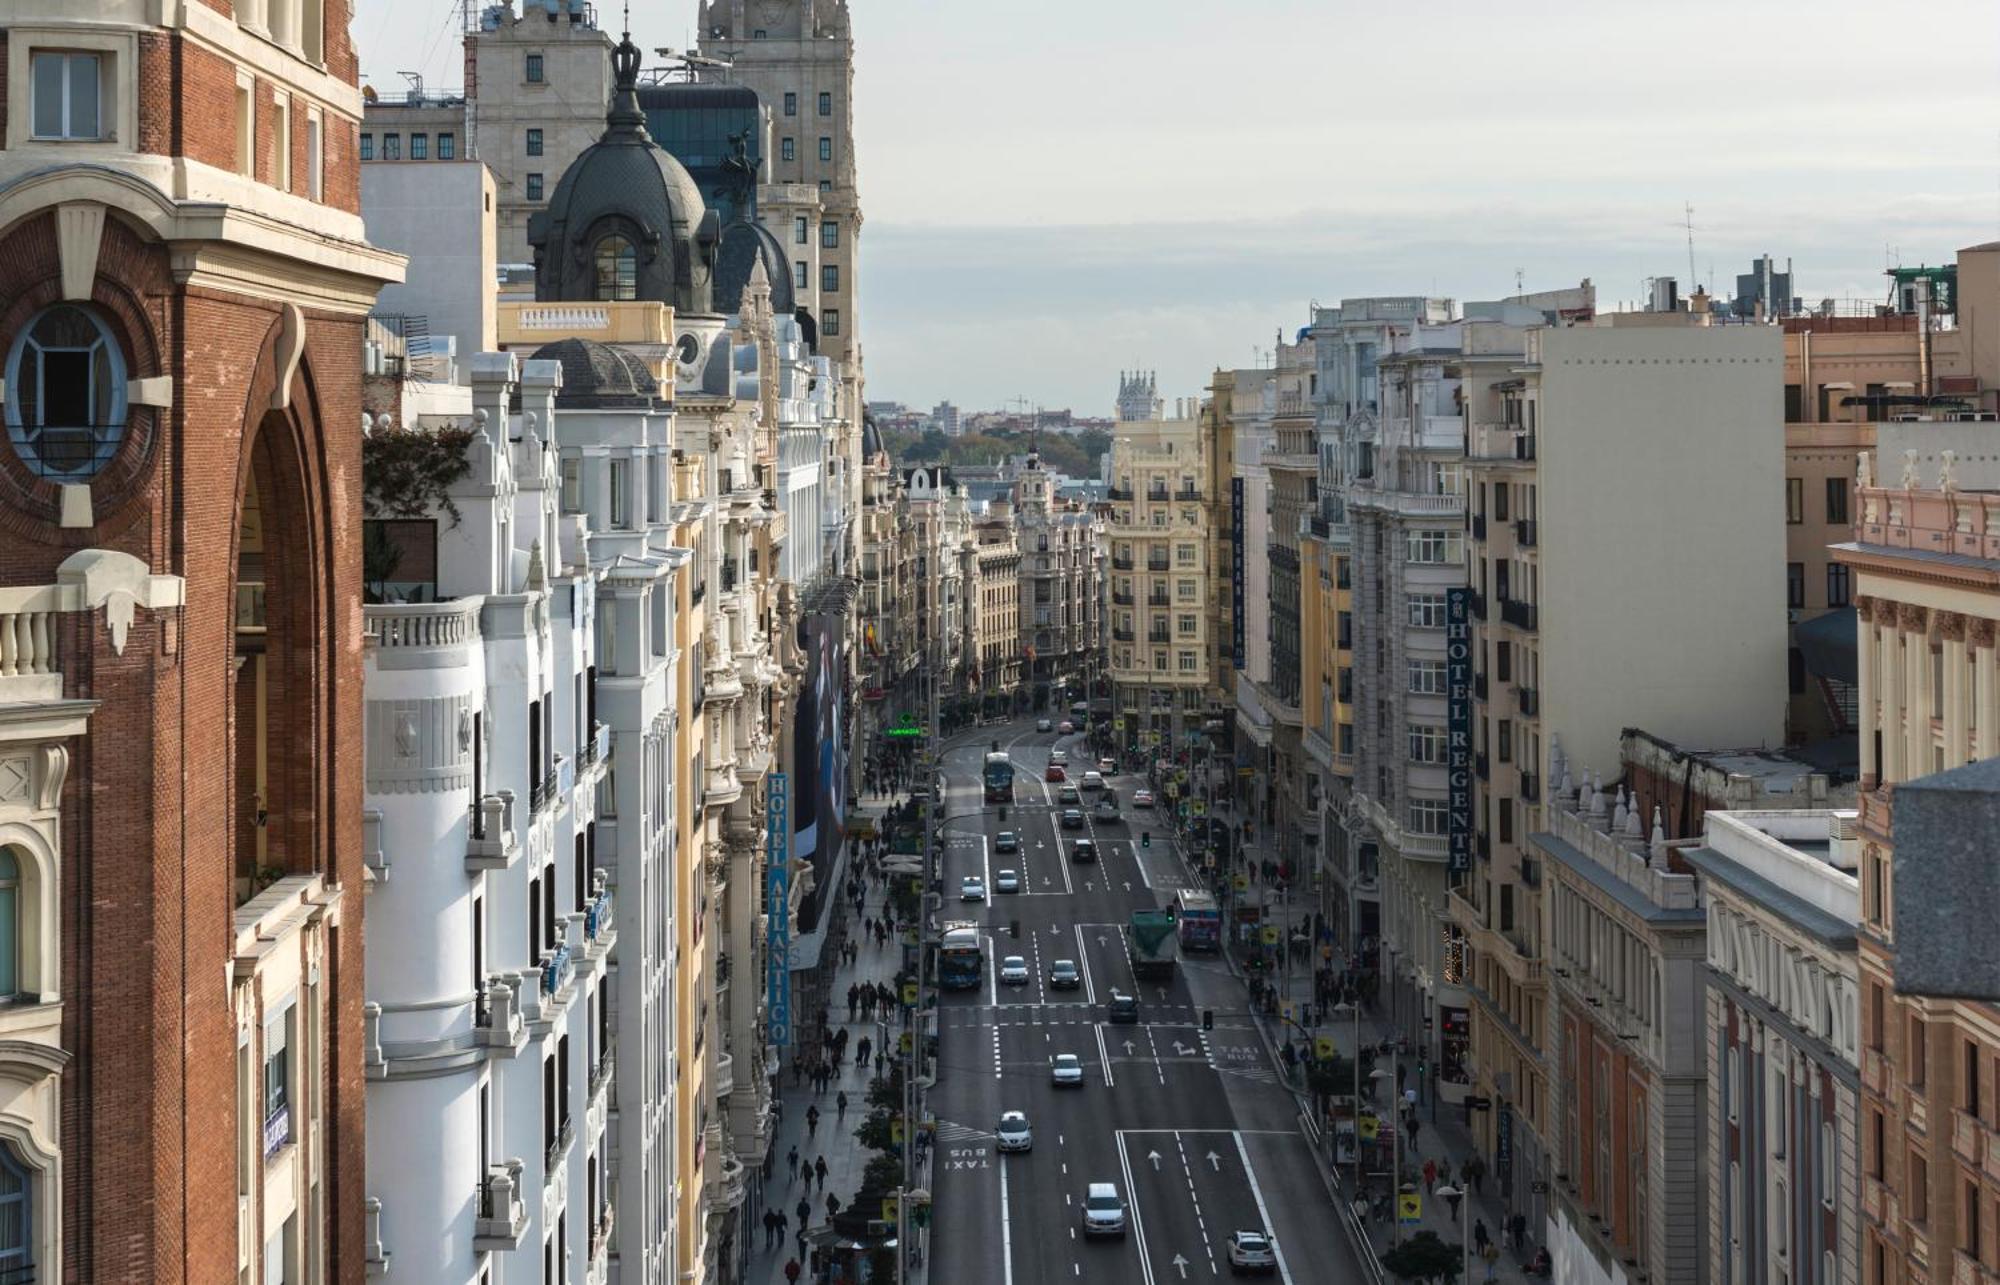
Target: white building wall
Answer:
[[1668, 439]]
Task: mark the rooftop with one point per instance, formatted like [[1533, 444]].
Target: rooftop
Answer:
[[1798, 863]]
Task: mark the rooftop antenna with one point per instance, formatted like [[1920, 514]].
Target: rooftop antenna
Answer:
[[1518, 277], [1694, 283], [416, 79]]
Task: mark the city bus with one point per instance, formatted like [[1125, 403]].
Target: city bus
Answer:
[[960, 959], [1200, 920], [999, 778]]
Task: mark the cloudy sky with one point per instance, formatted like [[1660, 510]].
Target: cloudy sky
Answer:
[[1057, 189]]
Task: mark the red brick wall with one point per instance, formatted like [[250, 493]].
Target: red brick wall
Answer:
[[3, 91], [206, 106]]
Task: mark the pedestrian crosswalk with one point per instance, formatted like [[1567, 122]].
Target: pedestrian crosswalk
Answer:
[[949, 1132]]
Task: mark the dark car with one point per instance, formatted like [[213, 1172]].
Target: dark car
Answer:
[[1083, 850], [1123, 1010], [1072, 819]]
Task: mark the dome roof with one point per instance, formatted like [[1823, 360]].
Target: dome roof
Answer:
[[598, 376], [871, 439], [743, 242], [624, 186]]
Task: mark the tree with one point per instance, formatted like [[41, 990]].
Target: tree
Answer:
[[1424, 1256]]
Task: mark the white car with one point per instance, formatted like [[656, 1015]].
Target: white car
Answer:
[[972, 888], [1014, 971], [1066, 1070], [1006, 881], [1142, 798], [1093, 780], [1043, 725], [1250, 1251], [1059, 756], [1014, 1134], [1103, 1212]]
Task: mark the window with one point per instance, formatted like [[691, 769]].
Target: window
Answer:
[[572, 484], [829, 322], [829, 235], [1188, 662], [1839, 592], [278, 1079], [1427, 610], [534, 142], [246, 127], [1503, 740], [281, 143], [420, 147], [1917, 1182], [65, 394], [791, 103], [316, 152], [367, 147], [1795, 584], [68, 102], [1427, 677], [829, 278], [618, 500], [447, 147], [1186, 624], [826, 185], [801, 275], [10, 927], [826, 104], [799, 226], [534, 69], [1159, 660], [617, 269], [17, 1253], [1913, 1052], [1184, 555], [826, 149], [1795, 500], [1435, 547], [788, 149], [1836, 501], [1427, 816], [534, 187], [1426, 744], [392, 147]]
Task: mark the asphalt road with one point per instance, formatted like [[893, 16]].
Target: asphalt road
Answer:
[[1191, 1124]]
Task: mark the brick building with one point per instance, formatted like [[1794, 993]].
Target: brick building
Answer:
[[184, 279]]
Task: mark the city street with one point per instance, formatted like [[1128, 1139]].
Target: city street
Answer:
[[1191, 1124]]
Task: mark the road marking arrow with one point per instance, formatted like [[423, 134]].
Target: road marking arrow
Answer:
[[1128, 1048], [1215, 1162], [1154, 1156], [1128, 885], [1161, 991], [1181, 1050], [1100, 939], [1180, 1264]]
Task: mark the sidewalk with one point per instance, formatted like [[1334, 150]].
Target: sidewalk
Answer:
[[834, 1140]]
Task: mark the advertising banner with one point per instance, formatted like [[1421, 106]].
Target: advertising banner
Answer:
[[1458, 729], [778, 896]]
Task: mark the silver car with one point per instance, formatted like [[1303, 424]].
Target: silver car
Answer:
[[1066, 1071], [1014, 1134]]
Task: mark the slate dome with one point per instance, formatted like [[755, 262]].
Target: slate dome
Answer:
[[626, 220], [598, 376]]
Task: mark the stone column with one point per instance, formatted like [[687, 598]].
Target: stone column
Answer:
[[1871, 682], [1916, 622], [1891, 726], [1986, 692], [1957, 700]]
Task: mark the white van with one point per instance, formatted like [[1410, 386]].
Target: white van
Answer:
[[1103, 1212]]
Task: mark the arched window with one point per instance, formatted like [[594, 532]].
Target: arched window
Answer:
[[17, 1226], [65, 394], [10, 924], [617, 269]]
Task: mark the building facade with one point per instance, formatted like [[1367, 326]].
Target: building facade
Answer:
[[187, 282], [1782, 1046], [1159, 576], [1059, 589]]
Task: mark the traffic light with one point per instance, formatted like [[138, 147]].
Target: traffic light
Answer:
[[1146, 839]]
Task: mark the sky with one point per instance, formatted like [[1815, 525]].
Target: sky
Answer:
[[1056, 190]]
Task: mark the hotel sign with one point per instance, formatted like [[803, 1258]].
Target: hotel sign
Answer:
[[1236, 567], [778, 900], [1458, 725]]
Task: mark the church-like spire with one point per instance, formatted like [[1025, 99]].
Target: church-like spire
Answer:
[[625, 118]]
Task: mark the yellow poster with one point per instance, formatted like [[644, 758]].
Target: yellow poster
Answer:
[[1410, 1207]]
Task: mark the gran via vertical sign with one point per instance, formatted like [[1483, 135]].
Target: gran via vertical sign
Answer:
[[1458, 729], [1236, 567], [777, 907]]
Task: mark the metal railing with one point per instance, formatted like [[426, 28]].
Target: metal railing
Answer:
[[1519, 614], [1121, 562], [1117, 493], [1476, 601], [556, 969], [1529, 701], [1479, 686], [1482, 766], [1524, 532], [1122, 635], [1531, 788], [1123, 599]]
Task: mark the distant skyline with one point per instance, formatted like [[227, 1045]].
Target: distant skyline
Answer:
[[1055, 192]]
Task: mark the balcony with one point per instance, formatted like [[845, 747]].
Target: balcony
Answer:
[[558, 1149], [1159, 636], [496, 1018], [553, 788], [600, 927], [1519, 614], [1524, 532], [723, 1077], [1117, 493], [1158, 495], [1531, 787], [1482, 766], [1189, 494], [1476, 603], [1121, 562], [1122, 598], [1529, 701], [1479, 526], [1159, 599], [558, 966], [502, 1220], [1479, 686], [595, 750], [490, 844], [1158, 565], [1122, 635]]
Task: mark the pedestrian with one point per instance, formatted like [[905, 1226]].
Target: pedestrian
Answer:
[[832, 1206], [840, 1106], [805, 1211], [861, 1051], [1517, 1227], [1457, 1194], [853, 998], [1475, 1172], [770, 1228], [1430, 1175], [1480, 1239], [812, 1122], [1415, 1127], [792, 1271], [1492, 1256], [819, 1167], [792, 1163]]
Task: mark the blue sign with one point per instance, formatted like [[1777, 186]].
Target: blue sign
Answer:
[[1458, 725], [778, 912], [1236, 567]]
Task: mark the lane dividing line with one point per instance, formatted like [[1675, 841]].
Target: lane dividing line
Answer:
[[1006, 1232], [1132, 1200], [1083, 962], [1104, 1057], [1277, 1246]]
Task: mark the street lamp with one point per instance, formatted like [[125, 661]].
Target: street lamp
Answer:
[[1395, 1163], [1346, 1006], [1463, 1198]]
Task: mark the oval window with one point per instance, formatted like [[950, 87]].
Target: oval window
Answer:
[[66, 394]]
